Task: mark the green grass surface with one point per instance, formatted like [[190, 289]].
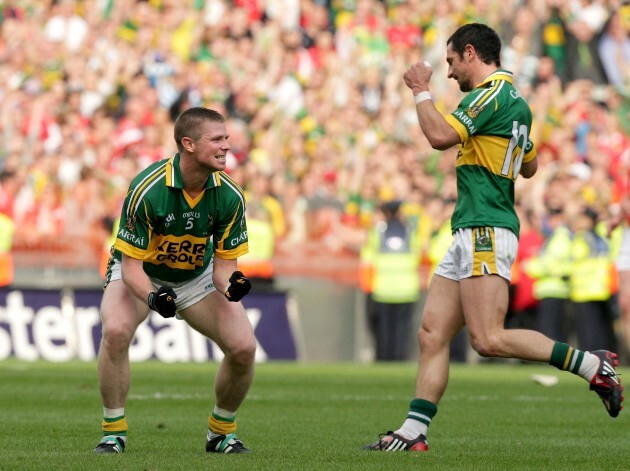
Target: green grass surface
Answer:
[[315, 417]]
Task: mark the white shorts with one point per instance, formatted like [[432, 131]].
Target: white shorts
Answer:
[[479, 251], [623, 259], [188, 292]]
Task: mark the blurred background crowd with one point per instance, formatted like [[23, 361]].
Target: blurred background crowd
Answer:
[[323, 129]]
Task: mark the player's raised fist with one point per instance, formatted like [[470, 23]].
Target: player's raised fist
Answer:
[[417, 77]]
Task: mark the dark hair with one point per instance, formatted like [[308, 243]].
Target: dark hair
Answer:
[[483, 38], [6, 175], [591, 213], [188, 123]]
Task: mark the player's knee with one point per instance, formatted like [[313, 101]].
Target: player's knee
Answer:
[[429, 339], [243, 354], [486, 345], [116, 337]]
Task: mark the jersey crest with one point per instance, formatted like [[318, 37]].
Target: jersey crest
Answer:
[[474, 111], [130, 224]]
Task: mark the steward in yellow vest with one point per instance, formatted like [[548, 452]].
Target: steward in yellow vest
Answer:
[[590, 284], [550, 270], [392, 256], [551, 267]]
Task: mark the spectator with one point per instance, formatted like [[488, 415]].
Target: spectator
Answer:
[[523, 304], [584, 20], [550, 269], [390, 260], [591, 284], [614, 48], [66, 27]]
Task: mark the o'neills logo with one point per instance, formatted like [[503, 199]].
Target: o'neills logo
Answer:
[[181, 252]]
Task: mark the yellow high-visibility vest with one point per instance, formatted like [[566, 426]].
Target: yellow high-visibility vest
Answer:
[[590, 275], [394, 272], [551, 267], [257, 262], [7, 270]]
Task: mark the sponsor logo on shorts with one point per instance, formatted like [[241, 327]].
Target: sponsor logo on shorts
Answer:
[[483, 240]]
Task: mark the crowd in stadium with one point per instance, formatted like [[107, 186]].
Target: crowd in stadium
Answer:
[[322, 127]]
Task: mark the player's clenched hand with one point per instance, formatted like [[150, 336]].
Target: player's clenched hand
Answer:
[[238, 288], [418, 76], [162, 301]]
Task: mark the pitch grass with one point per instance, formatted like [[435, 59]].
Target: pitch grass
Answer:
[[309, 417]]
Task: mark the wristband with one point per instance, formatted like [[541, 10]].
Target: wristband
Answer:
[[422, 96]]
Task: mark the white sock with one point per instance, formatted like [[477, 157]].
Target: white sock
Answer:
[[412, 429], [226, 414], [113, 413], [590, 365]]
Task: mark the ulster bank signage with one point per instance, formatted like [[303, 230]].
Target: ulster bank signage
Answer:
[[65, 325]]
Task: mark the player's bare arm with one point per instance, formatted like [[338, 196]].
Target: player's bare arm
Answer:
[[223, 269], [161, 300], [229, 280], [135, 278], [438, 132]]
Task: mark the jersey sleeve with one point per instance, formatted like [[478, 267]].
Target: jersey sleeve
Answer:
[[230, 233], [473, 112], [530, 151], [134, 230]]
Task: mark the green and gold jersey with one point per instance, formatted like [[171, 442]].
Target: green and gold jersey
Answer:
[[493, 122], [175, 235]]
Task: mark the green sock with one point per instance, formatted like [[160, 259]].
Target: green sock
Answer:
[[419, 417], [566, 358]]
